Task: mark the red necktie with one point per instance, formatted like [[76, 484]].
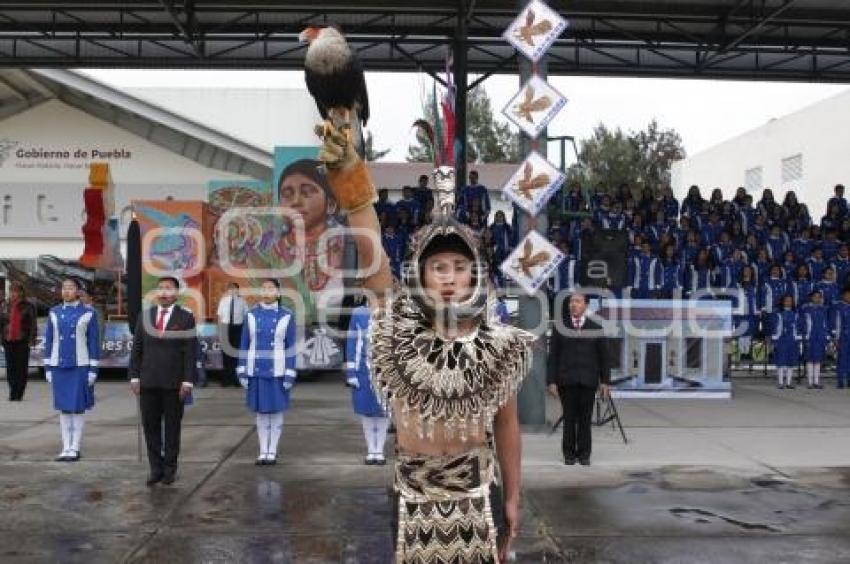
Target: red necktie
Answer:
[[160, 322]]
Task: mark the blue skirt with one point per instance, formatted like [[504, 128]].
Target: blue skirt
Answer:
[[71, 390], [814, 350], [266, 395], [365, 403], [786, 353]]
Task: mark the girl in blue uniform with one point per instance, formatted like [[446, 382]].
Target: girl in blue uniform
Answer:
[[71, 353], [773, 289], [266, 366], [802, 285], [828, 288], [815, 331], [671, 273], [698, 277], [746, 317], [841, 333], [785, 338], [363, 399]]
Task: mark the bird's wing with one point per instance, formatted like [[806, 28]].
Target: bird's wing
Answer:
[[362, 91], [527, 248], [529, 18], [526, 172], [529, 94], [312, 82]]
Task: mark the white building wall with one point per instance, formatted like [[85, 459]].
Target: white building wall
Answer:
[[41, 198], [820, 133], [264, 117]]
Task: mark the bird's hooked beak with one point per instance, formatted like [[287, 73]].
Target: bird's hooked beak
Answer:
[[309, 35]]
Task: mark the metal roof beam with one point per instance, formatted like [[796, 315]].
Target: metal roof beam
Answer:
[[168, 6], [752, 30]]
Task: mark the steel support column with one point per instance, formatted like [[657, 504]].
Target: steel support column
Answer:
[[460, 71], [533, 310]]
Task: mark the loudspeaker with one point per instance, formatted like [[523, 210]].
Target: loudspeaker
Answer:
[[603, 258]]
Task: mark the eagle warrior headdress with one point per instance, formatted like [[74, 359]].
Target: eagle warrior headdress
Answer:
[[444, 233], [461, 383]]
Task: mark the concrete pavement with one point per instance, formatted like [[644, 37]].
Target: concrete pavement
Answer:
[[763, 477]]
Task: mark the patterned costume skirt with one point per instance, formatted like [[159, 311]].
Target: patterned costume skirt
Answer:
[[444, 510]]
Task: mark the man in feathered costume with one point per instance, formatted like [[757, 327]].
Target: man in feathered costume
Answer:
[[448, 373]]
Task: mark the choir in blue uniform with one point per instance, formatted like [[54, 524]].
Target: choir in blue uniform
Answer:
[[71, 353], [363, 398], [266, 366], [699, 249]]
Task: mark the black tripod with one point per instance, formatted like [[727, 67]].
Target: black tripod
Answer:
[[606, 412]]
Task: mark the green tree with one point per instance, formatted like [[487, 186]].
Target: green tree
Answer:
[[658, 149], [373, 154], [488, 139], [611, 157]]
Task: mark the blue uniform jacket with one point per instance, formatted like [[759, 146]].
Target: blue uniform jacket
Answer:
[[363, 397], [268, 345], [773, 290], [71, 338]]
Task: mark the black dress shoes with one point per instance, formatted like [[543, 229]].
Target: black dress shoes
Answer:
[[153, 479], [584, 461], [570, 460], [168, 479]]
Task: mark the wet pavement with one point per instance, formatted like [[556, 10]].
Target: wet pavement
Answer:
[[762, 478]]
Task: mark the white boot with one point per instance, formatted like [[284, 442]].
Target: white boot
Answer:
[[276, 424], [263, 435], [381, 426], [65, 428], [366, 422], [79, 420]]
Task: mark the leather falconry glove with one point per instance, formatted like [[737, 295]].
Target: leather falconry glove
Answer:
[[346, 172]]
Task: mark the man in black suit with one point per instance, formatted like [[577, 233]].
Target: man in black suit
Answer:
[[162, 373], [578, 367]]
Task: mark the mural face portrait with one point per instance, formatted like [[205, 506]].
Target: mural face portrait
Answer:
[[303, 190], [306, 198]]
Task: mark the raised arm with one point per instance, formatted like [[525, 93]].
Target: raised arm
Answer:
[[354, 192]]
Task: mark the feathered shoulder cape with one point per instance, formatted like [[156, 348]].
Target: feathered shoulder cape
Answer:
[[459, 384]]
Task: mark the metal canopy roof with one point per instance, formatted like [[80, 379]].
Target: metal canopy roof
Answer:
[[741, 39], [22, 89]]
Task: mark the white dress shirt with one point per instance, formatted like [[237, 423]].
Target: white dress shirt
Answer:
[[239, 309]]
